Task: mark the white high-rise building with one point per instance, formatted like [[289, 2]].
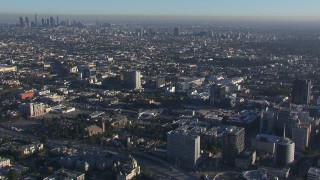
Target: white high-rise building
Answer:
[[183, 149]]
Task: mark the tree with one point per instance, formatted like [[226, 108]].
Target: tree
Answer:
[[202, 177], [13, 174]]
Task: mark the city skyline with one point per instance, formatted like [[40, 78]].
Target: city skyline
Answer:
[[291, 9]]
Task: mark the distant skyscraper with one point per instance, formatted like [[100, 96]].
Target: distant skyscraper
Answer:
[[43, 23], [232, 144], [21, 21], [26, 19], [301, 91], [183, 149], [176, 31], [36, 19], [58, 22], [52, 22]]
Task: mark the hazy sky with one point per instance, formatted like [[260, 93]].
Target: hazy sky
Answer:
[[300, 8]]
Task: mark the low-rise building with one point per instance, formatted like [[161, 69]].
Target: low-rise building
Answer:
[[264, 143], [129, 170], [254, 174], [32, 109], [7, 68], [93, 130], [4, 162], [66, 175], [313, 173], [245, 159]]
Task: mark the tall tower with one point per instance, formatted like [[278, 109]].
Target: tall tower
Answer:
[[21, 21], [301, 91], [58, 22], [52, 23], [26, 19], [232, 143], [36, 19], [183, 149]]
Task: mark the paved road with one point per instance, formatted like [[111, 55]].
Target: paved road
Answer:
[[162, 172]]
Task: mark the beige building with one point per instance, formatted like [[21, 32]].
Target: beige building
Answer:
[[32, 109], [129, 170], [7, 68], [66, 174], [93, 130], [264, 143]]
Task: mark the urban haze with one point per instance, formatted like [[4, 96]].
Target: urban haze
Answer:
[[159, 92]]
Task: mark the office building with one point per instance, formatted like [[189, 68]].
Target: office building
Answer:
[[287, 119], [57, 21], [301, 91], [300, 136], [232, 144], [21, 21], [36, 19], [264, 143], [266, 121], [32, 109], [133, 80], [183, 149], [43, 23], [284, 152], [52, 22], [221, 96], [291, 122], [26, 19]]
